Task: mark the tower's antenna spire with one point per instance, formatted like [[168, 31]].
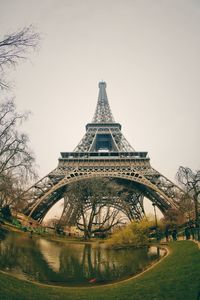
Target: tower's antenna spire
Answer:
[[103, 112]]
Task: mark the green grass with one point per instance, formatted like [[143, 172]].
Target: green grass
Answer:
[[177, 277]]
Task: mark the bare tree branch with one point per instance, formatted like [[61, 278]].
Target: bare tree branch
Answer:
[[14, 47]]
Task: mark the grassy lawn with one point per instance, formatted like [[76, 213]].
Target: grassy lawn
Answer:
[[177, 277]]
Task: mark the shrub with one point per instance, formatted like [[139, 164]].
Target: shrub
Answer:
[[136, 233]]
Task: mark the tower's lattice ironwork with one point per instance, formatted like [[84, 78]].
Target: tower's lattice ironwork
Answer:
[[104, 152]]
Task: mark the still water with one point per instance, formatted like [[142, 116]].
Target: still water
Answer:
[[49, 262]]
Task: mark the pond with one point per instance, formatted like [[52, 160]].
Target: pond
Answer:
[[71, 264]]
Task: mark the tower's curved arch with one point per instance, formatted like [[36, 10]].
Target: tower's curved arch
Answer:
[[39, 208]]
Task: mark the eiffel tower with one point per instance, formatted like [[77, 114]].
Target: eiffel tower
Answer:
[[104, 152]]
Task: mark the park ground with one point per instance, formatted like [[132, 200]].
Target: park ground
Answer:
[[176, 277]]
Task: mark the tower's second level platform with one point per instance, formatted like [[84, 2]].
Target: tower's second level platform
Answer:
[[103, 155]]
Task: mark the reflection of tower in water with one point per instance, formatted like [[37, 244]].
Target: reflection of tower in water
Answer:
[[51, 253]]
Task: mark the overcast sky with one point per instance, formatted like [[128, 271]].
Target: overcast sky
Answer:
[[147, 51]]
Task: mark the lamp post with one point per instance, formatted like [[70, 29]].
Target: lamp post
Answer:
[[156, 222]]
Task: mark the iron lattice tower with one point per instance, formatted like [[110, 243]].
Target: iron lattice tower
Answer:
[[104, 152]]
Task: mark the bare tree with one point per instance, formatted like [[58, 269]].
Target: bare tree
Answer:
[[14, 47], [186, 207], [12, 191], [174, 217], [94, 201], [17, 162], [15, 154], [190, 181]]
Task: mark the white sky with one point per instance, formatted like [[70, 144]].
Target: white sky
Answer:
[[147, 51]]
